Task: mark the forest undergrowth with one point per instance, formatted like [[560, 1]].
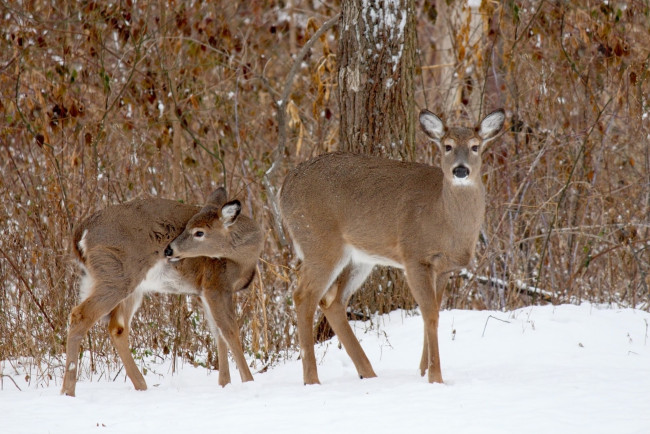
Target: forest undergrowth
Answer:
[[103, 102]]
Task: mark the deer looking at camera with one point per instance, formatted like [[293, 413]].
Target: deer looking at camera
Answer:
[[125, 251], [347, 213]]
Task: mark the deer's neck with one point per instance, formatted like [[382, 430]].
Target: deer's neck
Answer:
[[464, 204], [463, 207]]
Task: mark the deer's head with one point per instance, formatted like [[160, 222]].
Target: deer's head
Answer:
[[461, 148]]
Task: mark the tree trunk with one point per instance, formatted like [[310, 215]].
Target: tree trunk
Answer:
[[376, 96], [376, 64]]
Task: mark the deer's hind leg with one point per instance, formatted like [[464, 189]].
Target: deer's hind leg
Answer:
[[105, 287], [118, 329], [334, 305], [317, 273]]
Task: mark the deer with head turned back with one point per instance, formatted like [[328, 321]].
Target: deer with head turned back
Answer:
[[347, 213], [165, 246]]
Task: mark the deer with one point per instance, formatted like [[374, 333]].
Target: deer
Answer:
[[346, 213], [159, 245]]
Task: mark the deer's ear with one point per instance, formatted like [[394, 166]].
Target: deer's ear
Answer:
[[218, 197], [491, 125], [230, 212], [432, 125]]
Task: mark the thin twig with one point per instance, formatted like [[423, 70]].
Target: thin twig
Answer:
[[12, 380], [500, 283], [493, 317], [242, 161], [29, 290], [282, 128], [563, 192], [525, 30], [43, 143], [178, 112], [438, 66], [282, 104]]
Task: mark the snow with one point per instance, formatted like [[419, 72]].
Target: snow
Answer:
[[383, 19], [573, 369]]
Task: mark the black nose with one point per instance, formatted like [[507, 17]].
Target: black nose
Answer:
[[169, 252], [461, 172]]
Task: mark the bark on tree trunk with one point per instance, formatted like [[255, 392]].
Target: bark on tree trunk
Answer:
[[376, 96], [376, 64]]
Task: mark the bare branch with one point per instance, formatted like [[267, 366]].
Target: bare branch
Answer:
[[29, 290], [282, 128]]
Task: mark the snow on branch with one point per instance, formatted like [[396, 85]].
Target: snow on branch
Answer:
[[500, 283], [385, 23]]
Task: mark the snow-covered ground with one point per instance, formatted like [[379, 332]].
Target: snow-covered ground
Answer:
[[562, 369]]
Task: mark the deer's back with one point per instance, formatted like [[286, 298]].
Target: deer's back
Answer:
[[351, 183], [141, 227]]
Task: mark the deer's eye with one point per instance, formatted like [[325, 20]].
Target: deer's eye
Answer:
[[475, 148], [199, 234], [447, 148]]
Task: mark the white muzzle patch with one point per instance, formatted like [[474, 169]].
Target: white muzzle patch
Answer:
[[467, 181]]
